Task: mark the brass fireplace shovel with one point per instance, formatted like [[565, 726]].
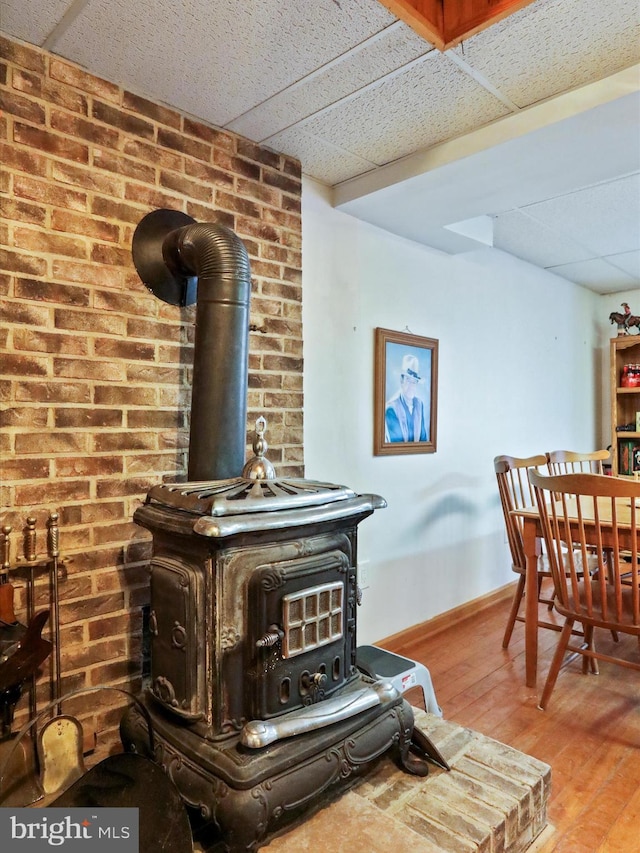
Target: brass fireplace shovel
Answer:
[[60, 740]]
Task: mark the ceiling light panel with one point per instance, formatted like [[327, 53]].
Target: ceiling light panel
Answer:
[[378, 56], [227, 62], [556, 45], [431, 101], [628, 262]]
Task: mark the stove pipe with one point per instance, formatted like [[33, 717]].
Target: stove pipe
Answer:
[[170, 255]]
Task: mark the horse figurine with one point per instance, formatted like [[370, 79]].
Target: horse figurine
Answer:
[[625, 321]]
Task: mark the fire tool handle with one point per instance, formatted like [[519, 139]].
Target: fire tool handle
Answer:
[[53, 552], [7, 614], [30, 553]]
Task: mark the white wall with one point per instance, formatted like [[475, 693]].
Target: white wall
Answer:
[[518, 355]]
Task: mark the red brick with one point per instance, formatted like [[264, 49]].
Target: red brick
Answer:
[[65, 220], [219, 138], [21, 107], [74, 271], [23, 160], [124, 166], [156, 112], [43, 242], [51, 442], [87, 417], [28, 339], [91, 607], [154, 374], [53, 392], [74, 76], [48, 193], [183, 186], [111, 209], [109, 255], [190, 147], [22, 211], [24, 365], [22, 55], [25, 469], [51, 143], [25, 315], [126, 303], [57, 492], [82, 368], [110, 441], [205, 172], [123, 488], [125, 121], [116, 395], [152, 153], [87, 178], [152, 197], [46, 291], [129, 350], [24, 263], [65, 97], [83, 128], [94, 466], [83, 321], [252, 151], [157, 419]]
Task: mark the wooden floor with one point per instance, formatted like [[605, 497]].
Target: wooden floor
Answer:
[[589, 734]]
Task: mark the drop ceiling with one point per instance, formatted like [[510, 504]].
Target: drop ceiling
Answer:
[[524, 137]]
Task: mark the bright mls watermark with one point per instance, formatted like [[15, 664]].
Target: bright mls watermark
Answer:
[[69, 830]]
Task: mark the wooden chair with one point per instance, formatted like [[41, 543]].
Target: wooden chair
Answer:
[[572, 462], [578, 512], [517, 493]]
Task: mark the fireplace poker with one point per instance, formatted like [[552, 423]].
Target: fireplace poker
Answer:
[[30, 555], [53, 552]]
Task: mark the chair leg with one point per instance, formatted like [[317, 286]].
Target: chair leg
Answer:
[[515, 606], [590, 664], [556, 663]]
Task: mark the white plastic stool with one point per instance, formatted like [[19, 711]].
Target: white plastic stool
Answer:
[[403, 673]]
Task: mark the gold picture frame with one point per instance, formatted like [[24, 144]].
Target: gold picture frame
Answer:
[[405, 393]]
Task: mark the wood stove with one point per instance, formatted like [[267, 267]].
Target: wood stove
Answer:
[[255, 700]]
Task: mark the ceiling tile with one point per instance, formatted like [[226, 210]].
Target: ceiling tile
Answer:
[[431, 101], [605, 218], [207, 59], [596, 275], [629, 262], [526, 238], [555, 45], [31, 20], [393, 48], [325, 162]]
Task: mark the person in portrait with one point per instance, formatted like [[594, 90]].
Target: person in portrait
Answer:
[[404, 416]]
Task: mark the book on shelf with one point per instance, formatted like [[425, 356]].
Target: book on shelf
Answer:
[[628, 456]]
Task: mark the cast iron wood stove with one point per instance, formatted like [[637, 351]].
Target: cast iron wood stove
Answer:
[[255, 700]]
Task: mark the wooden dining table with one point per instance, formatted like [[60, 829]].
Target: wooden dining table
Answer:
[[532, 543]]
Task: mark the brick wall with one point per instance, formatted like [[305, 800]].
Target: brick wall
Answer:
[[95, 379]]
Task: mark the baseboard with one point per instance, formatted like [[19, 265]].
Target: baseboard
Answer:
[[413, 635]]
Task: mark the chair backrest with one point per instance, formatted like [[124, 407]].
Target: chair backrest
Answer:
[[572, 462], [592, 520], [516, 493]]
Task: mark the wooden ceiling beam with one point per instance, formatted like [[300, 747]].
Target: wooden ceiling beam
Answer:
[[445, 23]]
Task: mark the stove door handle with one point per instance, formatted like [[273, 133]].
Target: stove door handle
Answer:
[[259, 733]]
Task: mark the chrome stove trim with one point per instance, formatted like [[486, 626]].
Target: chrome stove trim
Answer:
[[240, 495], [259, 733], [220, 528]]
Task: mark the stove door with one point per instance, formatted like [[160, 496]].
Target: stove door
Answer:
[[177, 656], [303, 637]]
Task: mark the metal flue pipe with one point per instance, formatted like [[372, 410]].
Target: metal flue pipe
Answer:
[[216, 256]]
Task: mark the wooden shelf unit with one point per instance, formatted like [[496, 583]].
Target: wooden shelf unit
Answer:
[[625, 402]]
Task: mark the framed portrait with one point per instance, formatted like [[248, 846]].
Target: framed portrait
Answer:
[[406, 393]]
